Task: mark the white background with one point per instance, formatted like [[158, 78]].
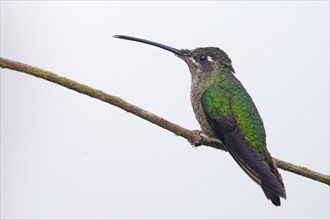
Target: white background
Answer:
[[66, 155]]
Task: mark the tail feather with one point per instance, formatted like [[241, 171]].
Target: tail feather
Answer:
[[275, 199], [264, 173], [272, 166], [259, 171]]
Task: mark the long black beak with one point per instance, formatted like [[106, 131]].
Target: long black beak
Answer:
[[171, 49]]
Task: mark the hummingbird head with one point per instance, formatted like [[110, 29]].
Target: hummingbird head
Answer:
[[201, 61]]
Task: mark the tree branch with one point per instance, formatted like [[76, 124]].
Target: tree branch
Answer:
[[191, 136]]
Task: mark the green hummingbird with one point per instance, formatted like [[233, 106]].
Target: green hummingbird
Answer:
[[225, 110]]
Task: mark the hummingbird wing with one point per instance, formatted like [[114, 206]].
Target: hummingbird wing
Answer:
[[237, 124]]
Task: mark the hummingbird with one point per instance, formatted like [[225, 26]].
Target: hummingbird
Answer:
[[225, 110]]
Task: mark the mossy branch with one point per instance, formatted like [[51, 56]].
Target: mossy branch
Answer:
[[191, 136]]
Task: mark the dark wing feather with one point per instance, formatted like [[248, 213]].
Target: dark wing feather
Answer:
[[228, 131]]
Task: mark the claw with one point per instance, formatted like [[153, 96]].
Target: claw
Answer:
[[199, 142], [203, 138]]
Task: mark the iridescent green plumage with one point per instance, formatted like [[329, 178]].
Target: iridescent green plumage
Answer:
[[225, 110], [225, 94]]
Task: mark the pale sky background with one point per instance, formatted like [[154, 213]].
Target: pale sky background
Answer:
[[66, 155]]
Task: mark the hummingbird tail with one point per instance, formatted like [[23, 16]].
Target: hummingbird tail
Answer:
[[263, 172], [259, 171], [275, 199]]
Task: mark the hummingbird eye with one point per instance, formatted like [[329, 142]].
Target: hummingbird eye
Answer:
[[201, 58]]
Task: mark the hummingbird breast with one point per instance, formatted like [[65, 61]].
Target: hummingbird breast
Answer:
[[196, 92]]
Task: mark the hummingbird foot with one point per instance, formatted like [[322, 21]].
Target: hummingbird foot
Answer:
[[204, 138]]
